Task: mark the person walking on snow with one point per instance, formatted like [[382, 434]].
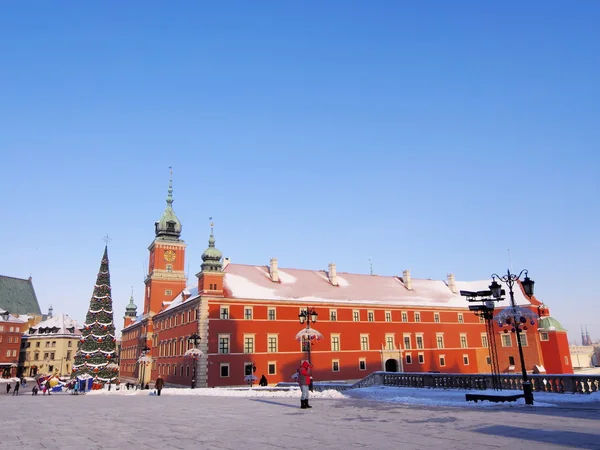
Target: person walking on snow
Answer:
[[159, 384], [304, 376], [16, 389]]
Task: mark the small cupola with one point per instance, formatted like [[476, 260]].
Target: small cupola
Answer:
[[131, 308], [211, 258]]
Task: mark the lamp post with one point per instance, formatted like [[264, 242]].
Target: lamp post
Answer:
[[144, 360], [194, 339], [308, 316], [5, 315], [496, 288]]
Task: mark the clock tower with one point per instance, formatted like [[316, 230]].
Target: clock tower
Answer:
[[166, 269]]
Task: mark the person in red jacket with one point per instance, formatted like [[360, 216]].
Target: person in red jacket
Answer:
[[304, 377]]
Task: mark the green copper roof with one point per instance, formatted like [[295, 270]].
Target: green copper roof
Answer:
[[131, 309], [550, 323], [169, 226], [17, 296], [211, 258]]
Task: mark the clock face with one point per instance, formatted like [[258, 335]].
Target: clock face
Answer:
[[169, 256]]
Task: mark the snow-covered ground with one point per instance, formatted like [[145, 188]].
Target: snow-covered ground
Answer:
[[416, 396]]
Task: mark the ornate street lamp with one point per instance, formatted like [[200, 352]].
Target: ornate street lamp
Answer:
[[518, 316], [308, 316], [194, 353], [5, 315]]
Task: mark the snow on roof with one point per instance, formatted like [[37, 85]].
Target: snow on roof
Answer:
[[61, 322], [191, 291], [254, 282], [11, 318]]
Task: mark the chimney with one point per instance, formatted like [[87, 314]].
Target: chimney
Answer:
[[333, 274], [226, 262], [407, 280], [273, 270], [451, 283]]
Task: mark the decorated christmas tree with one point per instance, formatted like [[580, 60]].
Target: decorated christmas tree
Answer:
[[96, 355]]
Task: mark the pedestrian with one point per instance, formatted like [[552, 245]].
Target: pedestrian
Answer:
[[304, 378], [263, 381], [8, 386], [34, 390], [16, 390], [159, 384]]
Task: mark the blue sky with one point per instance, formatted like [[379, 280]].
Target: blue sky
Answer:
[[432, 136]]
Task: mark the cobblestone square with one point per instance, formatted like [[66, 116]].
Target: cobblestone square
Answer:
[[185, 422]]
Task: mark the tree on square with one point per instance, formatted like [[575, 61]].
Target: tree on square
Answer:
[[96, 355]]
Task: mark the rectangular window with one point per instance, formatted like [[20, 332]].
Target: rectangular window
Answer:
[[248, 313], [362, 364], [408, 358], [388, 316], [356, 315], [14, 353], [389, 341], [248, 344], [69, 344], [187, 371], [420, 342], [466, 360], [272, 347], [332, 315], [271, 313], [335, 365], [463, 341], [406, 342], [371, 316], [488, 360], [481, 319], [224, 370], [506, 340], [421, 358], [404, 317], [68, 355], [53, 343], [169, 267], [335, 343], [484, 341], [224, 312], [271, 368], [168, 292], [45, 355], [511, 360], [249, 368], [439, 339], [224, 345], [436, 317], [364, 342], [417, 317], [544, 336], [461, 318], [47, 344], [442, 360], [523, 338]]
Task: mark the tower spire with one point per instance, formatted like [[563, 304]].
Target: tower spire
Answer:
[[211, 258], [169, 226]]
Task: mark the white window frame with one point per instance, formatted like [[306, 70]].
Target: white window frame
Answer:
[[404, 316], [421, 358], [224, 308], [417, 337], [404, 337], [251, 312], [253, 337], [363, 361], [461, 318], [465, 359], [393, 336], [269, 337], [436, 317], [333, 364], [364, 335], [224, 336], [333, 315], [544, 336], [508, 337], [339, 342], [221, 370], [442, 359], [524, 342], [274, 363], [388, 315], [463, 336], [437, 343], [370, 316], [417, 316], [408, 358], [485, 342], [269, 309]]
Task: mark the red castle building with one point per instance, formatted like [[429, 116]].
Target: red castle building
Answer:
[[247, 319]]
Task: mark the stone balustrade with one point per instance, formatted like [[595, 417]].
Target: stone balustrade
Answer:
[[575, 384]]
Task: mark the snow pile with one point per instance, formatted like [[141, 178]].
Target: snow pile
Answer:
[[222, 392]]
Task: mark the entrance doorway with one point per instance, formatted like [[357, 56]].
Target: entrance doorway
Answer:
[[391, 365]]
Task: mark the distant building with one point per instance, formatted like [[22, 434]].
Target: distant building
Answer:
[[50, 346], [11, 330], [247, 318]]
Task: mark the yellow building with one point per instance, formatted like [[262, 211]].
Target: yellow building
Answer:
[[50, 346]]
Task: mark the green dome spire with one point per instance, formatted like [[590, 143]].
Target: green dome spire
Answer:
[[169, 226], [211, 258], [131, 309]]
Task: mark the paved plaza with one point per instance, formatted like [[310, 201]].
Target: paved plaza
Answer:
[[90, 422]]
